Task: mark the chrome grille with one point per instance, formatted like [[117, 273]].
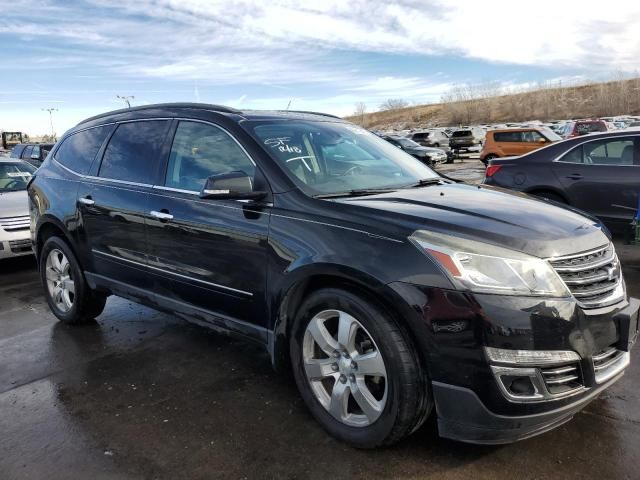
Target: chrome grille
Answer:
[[608, 363], [559, 380], [592, 277], [12, 224]]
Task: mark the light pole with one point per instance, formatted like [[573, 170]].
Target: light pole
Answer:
[[126, 99], [51, 110]]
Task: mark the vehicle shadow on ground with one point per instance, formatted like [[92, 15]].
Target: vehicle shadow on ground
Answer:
[[194, 401]]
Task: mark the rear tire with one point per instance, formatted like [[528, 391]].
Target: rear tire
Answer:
[[69, 296], [366, 410]]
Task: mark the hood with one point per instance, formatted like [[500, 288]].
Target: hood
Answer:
[[14, 204], [488, 214]]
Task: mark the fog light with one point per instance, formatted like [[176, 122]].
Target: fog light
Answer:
[[519, 385], [530, 357]]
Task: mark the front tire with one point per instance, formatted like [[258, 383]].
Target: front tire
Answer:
[[357, 372], [69, 296]]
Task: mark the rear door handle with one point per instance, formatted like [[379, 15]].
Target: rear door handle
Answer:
[[86, 201], [574, 176], [161, 215]]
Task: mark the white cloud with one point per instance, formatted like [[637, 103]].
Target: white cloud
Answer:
[[288, 45]]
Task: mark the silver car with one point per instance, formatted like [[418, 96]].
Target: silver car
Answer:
[[15, 239]]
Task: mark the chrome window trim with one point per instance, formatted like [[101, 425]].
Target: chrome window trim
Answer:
[[178, 190], [249, 294], [558, 159]]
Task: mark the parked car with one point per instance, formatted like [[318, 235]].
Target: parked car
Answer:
[[428, 156], [515, 141], [15, 238], [33, 153], [387, 289], [466, 139], [599, 174], [431, 138], [583, 127]]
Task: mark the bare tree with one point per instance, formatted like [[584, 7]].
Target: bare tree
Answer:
[[360, 111], [394, 104]]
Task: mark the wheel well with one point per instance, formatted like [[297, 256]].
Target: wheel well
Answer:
[[296, 295], [46, 231]]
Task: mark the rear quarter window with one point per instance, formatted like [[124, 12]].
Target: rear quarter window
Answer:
[[78, 150]]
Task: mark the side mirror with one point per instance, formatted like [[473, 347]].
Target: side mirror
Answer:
[[232, 185]]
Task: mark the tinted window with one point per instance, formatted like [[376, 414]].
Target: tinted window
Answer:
[[420, 136], [507, 136], [134, 151], [199, 151], [78, 150], [27, 152], [462, 133]]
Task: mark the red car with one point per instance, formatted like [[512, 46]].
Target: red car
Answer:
[[583, 127]]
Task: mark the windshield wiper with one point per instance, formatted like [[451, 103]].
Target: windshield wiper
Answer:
[[423, 182], [356, 193]]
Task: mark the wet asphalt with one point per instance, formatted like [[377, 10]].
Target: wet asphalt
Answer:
[[141, 394]]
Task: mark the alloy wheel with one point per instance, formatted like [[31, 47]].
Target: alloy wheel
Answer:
[[60, 283], [345, 368]]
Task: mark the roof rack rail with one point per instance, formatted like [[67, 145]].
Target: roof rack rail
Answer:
[[310, 113], [204, 106]]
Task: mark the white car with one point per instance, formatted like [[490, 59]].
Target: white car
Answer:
[[15, 238]]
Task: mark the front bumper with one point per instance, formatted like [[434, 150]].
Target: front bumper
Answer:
[[15, 244], [453, 328], [462, 416]]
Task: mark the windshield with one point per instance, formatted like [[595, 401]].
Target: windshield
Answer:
[[550, 134], [407, 142], [15, 176], [331, 157]]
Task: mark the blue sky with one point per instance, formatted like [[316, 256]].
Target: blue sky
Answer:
[[77, 56]]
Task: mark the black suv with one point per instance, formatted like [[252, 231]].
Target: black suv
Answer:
[[389, 291]]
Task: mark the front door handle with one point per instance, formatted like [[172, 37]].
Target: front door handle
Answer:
[[575, 176], [86, 201], [161, 215]]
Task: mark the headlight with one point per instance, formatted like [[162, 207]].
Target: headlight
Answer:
[[486, 268]]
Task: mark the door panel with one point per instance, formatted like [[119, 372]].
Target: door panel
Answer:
[[113, 221], [602, 178], [211, 254], [208, 253], [114, 204]]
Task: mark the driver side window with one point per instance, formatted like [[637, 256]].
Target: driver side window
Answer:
[[200, 150]]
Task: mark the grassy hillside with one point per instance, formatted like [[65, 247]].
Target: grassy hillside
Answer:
[[464, 106]]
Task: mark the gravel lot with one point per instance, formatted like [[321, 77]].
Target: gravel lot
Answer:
[[141, 394]]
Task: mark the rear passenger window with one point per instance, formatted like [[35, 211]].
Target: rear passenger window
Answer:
[[78, 150], [133, 153], [27, 152], [507, 137], [200, 150], [574, 156]]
